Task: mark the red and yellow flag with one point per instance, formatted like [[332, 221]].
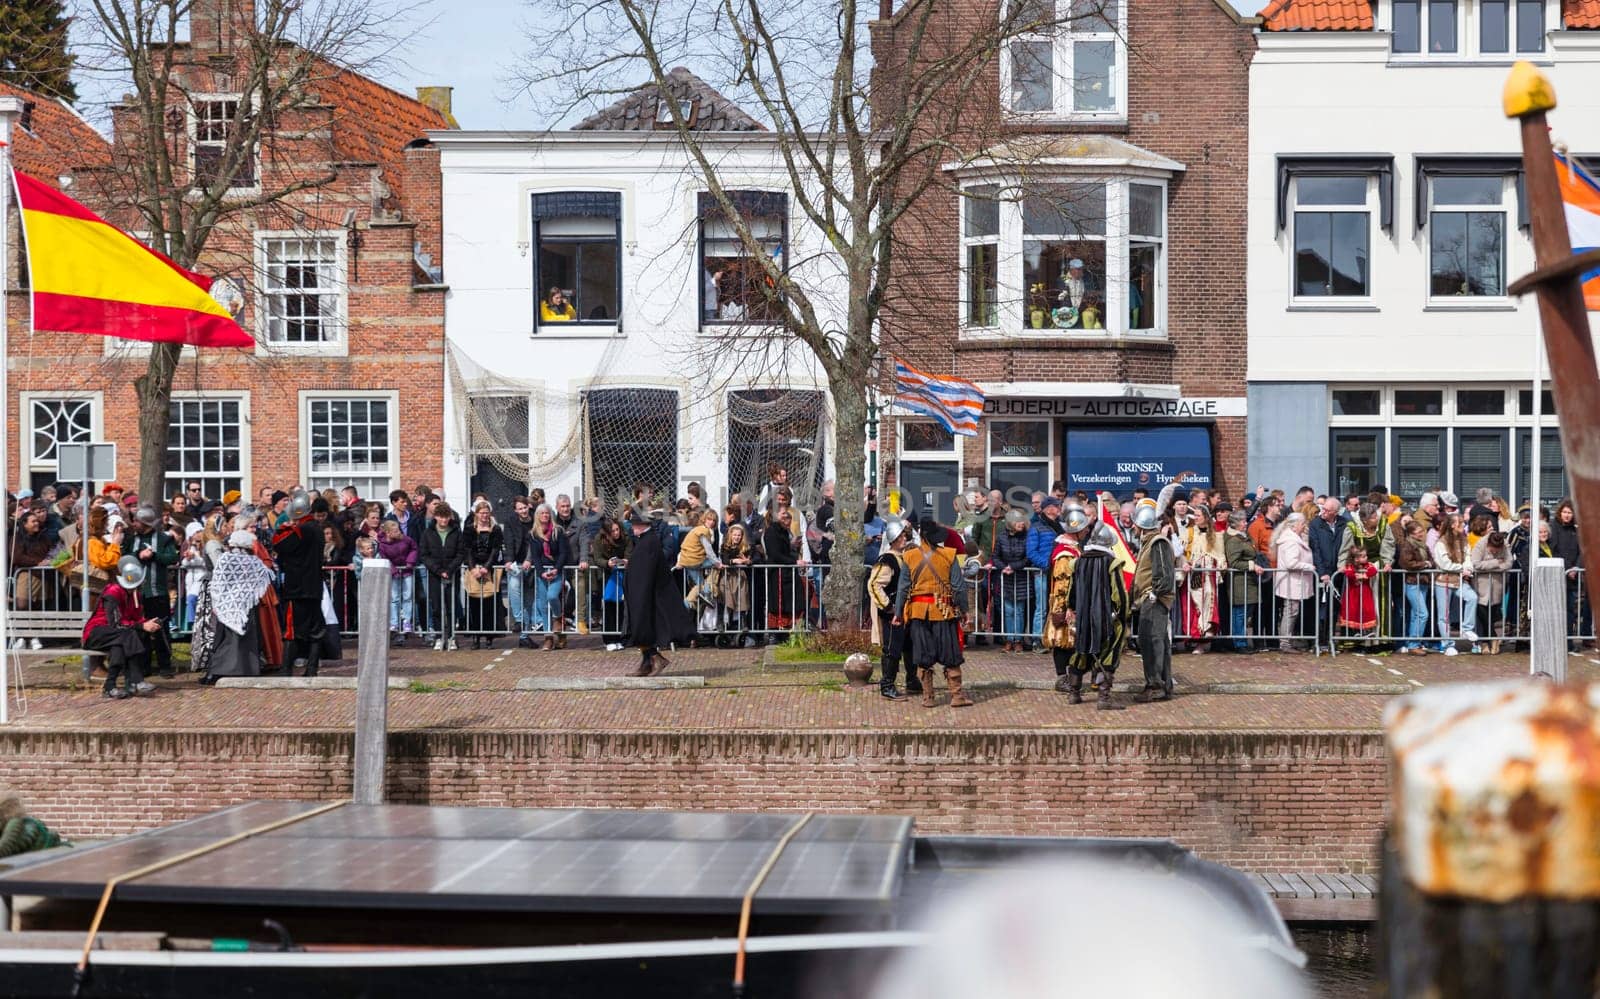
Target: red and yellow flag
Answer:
[[88, 276]]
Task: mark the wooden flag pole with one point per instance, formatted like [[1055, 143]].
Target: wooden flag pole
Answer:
[[1573, 375]]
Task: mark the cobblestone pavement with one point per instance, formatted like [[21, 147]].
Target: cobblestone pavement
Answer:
[[475, 689]]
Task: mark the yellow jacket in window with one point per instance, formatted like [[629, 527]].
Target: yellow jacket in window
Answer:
[[563, 313], [1059, 632], [931, 587]]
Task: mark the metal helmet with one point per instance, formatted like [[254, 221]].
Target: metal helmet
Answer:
[[1074, 517], [130, 572], [1146, 515], [893, 530], [1102, 537], [299, 504], [146, 515], [971, 569]]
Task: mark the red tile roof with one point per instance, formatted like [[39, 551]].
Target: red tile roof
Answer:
[[1356, 15], [52, 139], [372, 123], [1317, 15], [1581, 13]]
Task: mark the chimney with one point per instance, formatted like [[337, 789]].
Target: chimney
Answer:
[[214, 25], [438, 98]]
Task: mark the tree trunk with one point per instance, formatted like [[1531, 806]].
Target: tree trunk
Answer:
[[842, 593], [154, 392]]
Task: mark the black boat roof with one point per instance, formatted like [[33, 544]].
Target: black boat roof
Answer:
[[424, 857]]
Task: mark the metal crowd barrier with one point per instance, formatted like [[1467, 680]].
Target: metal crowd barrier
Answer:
[[739, 604]]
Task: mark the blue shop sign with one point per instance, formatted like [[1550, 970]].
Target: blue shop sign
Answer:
[[1122, 459]]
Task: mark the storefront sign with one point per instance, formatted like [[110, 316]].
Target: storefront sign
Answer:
[[1123, 459], [1068, 408]]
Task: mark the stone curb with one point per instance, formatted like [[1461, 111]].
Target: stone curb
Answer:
[[611, 683], [1211, 688], [302, 683]]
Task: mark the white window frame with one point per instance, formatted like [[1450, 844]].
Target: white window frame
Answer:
[[901, 451], [1011, 290], [1506, 211], [1062, 84], [193, 125], [1386, 423], [339, 346], [1370, 207], [308, 396], [242, 397], [990, 459], [1469, 34], [25, 401], [969, 240]]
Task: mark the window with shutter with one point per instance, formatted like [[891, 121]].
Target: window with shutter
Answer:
[[1419, 462], [1480, 461]]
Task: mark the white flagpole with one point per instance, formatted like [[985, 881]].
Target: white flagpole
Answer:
[[10, 111], [1535, 468]]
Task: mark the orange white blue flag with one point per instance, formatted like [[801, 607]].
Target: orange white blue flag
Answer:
[[1580, 195], [87, 276]]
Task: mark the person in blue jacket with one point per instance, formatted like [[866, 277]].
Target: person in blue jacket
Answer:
[[1042, 532]]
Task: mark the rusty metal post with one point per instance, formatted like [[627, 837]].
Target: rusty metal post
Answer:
[[1491, 868], [1573, 375]]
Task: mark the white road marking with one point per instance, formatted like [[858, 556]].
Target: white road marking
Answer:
[[1394, 671], [488, 667]]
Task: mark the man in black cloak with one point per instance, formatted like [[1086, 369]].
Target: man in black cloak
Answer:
[[656, 614], [1099, 601]]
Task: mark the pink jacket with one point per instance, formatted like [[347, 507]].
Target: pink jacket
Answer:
[[1297, 574]]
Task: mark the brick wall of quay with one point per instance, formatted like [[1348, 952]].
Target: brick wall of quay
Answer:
[[1256, 801]]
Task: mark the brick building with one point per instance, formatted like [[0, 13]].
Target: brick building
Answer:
[[1117, 140], [340, 286]]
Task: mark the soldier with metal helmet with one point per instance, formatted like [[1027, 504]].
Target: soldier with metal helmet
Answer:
[[1097, 603], [119, 629], [155, 549], [931, 600], [888, 631], [1155, 583], [1059, 626], [298, 545]]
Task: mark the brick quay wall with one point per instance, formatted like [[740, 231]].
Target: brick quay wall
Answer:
[[1264, 801]]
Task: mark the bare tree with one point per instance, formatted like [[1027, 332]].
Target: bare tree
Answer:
[[866, 106], [208, 141]]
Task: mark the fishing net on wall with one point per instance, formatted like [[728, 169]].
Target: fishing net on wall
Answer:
[[788, 427]]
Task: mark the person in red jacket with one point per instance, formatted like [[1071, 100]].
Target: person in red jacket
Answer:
[[119, 629]]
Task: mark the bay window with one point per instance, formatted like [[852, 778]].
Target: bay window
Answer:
[[1067, 59], [980, 240], [1065, 254]]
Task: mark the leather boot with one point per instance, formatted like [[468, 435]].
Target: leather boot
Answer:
[[925, 676], [658, 664], [958, 697], [643, 669], [1104, 702], [1074, 687]]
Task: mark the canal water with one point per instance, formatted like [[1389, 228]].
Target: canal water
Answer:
[[1340, 959]]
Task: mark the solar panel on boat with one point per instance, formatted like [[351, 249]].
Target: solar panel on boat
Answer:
[[549, 860]]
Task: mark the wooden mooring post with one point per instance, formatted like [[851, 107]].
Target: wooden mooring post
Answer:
[[372, 684], [1547, 622], [1491, 867]]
